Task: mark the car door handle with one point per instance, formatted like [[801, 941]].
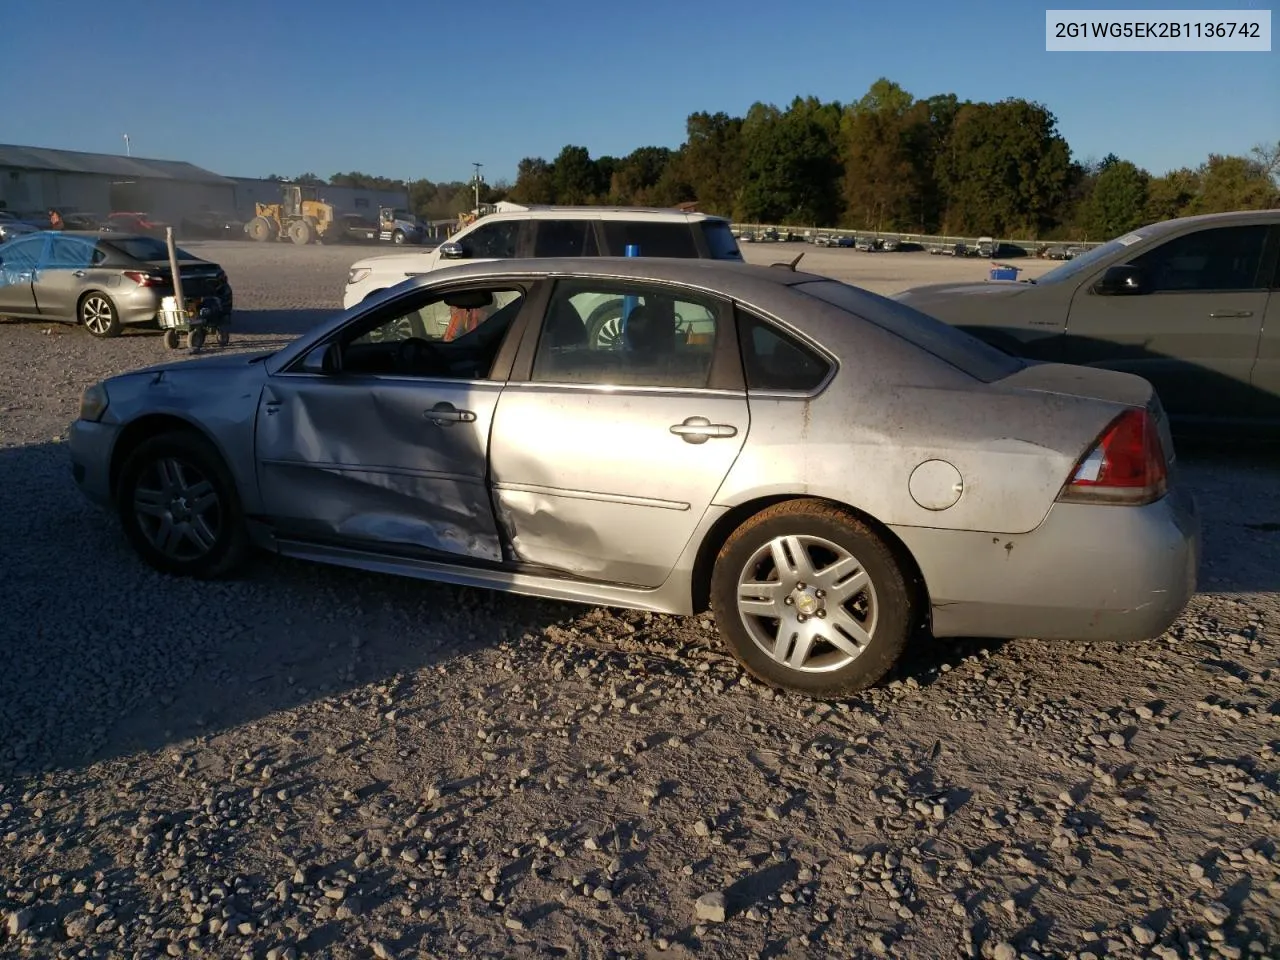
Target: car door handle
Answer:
[[1230, 314], [78, 273], [444, 413], [700, 430]]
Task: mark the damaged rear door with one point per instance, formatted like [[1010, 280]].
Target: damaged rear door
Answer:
[[389, 452], [607, 452]]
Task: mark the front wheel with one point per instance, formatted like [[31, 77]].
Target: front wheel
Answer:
[[178, 505], [810, 599]]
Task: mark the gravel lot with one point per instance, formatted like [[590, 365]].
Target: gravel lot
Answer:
[[316, 762]]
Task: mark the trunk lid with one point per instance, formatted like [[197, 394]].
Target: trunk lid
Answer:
[[1094, 383]]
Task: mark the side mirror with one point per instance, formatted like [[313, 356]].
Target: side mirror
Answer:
[[1121, 280], [452, 250], [326, 360]]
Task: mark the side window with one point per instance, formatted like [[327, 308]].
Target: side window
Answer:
[[653, 237], [23, 254], [453, 334], [1224, 258], [68, 253], [626, 335], [775, 360], [493, 241], [565, 238]]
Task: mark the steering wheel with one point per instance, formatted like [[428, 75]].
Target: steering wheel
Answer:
[[414, 353]]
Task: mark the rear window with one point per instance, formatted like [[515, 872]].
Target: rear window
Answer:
[[720, 240], [147, 248], [654, 238], [978, 359]]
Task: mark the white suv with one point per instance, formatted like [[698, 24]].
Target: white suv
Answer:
[[549, 231]]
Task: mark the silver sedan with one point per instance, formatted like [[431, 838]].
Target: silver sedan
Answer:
[[828, 470]]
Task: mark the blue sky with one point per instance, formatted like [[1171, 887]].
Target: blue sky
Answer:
[[407, 89]]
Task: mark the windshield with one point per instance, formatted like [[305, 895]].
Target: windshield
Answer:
[[1087, 259], [978, 359], [148, 248]]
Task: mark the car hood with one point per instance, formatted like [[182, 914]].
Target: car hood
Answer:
[[934, 292], [397, 262], [225, 362]]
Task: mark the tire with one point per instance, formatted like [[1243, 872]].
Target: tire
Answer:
[[881, 605], [171, 339], [301, 232], [182, 471], [604, 326], [261, 229], [398, 238], [98, 315]]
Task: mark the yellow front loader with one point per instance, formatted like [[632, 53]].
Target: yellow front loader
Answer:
[[300, 216]]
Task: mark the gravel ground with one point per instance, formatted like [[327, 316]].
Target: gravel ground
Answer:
[[316, 762]]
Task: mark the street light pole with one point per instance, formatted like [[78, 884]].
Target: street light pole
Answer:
[[127, 151], [477, 166]]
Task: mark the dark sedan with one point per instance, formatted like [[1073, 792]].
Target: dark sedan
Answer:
[[102, 281]]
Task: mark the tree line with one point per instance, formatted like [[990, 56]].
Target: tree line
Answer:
[[889, 162]]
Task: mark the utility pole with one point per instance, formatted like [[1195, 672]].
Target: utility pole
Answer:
[[127, 151], [477, 166]]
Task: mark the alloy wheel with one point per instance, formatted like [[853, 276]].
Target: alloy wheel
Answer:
[[807, 603], [178, 509]]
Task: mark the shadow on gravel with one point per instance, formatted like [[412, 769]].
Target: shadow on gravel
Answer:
[[102, 657], [286, 323]]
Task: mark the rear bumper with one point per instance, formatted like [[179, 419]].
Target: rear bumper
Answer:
[[1087, 572]]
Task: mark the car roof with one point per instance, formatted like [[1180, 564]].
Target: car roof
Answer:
[[1230, 218], [551, 211]]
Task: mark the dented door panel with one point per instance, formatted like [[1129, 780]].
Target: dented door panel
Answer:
[[593, 482], [384, 462]]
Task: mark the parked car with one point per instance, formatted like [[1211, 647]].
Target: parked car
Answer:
[[866, 244], [973, 493], [103, 281], [211, 225], [12, 226], [544, 231], [1190, 304], [140, 224]]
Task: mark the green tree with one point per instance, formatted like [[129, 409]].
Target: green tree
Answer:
[[1171, 196], [709, 167], [884, 139], [534, 182], [791, 167], [1233, 183], [1007, 169], [1119, 199], [574, 175]]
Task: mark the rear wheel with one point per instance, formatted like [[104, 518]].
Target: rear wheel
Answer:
[[178, 505], [99, 316], [171, 339], [301, 232], [810, 599]]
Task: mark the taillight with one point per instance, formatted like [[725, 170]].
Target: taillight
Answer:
[[143, 279], [1126, 465]]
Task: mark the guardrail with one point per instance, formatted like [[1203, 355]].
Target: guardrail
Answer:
[[1004, 247]]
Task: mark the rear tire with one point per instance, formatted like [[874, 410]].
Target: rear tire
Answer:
[[171, 338], [179, 507], [99, 315], [301, 232], [833, 620]]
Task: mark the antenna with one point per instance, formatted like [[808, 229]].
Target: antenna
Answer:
[[792, 265]]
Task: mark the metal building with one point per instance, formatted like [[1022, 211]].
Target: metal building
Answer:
[[33, 179]]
